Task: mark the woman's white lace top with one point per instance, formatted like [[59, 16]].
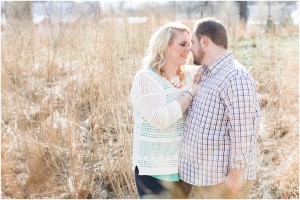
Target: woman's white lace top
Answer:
[[158, 121]]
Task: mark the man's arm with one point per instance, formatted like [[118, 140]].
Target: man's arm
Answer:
[[240, 101]]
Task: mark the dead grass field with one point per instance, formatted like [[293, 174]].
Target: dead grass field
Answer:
[[66, 119]]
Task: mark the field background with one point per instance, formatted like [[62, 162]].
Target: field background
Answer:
[[66, 118]]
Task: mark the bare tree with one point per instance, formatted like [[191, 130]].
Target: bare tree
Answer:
[[243, 10]]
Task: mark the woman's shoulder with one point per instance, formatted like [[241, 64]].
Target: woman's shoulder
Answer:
[[141, 72], [147, 78], [144, 73]]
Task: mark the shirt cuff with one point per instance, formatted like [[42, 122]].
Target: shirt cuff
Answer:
[[241, 160]]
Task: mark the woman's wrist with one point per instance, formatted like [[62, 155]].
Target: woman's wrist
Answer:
[[192, 92], [188, 92]]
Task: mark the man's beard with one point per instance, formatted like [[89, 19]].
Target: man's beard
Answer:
[[197, 60]]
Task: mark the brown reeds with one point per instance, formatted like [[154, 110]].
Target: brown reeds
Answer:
[[66, 121]]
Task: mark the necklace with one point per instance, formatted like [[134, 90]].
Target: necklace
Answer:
[[181, 78]]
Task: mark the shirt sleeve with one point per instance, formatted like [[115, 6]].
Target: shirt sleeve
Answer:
[[240, 99], [150, 101]]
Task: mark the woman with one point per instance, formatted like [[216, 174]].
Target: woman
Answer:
[[160, 95]]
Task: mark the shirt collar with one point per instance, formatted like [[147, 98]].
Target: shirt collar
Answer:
[[216, 66]]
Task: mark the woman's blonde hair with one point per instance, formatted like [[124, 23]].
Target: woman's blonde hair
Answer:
[[156, 56]]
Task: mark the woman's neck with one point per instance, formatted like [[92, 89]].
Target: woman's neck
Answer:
[[171, 70]]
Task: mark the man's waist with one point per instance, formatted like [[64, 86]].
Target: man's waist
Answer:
[[205, 173], [205, 161]]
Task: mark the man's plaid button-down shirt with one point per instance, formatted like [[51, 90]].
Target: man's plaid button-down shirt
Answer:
[[221, 126]]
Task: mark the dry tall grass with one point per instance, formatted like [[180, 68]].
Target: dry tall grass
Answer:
[[277, 71], [67, 124]]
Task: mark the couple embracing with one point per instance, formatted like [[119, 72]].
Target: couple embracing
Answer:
[[194, 126]]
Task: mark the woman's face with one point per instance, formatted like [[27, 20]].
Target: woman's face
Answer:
[[179, 50]]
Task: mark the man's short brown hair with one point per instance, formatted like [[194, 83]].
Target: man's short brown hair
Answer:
[[214, 29]]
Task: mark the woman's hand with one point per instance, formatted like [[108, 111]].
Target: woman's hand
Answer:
[[198, 76], [197, 79], [194, 89]]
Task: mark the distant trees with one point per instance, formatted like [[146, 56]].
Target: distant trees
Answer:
[[19, 10], [201, 9], [22, 10], [17, 14], [192, 9], [243, 10]]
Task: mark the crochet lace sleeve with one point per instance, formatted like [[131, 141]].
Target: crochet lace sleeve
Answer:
[[149, 99]]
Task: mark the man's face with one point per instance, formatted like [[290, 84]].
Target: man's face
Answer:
[[197, 50]]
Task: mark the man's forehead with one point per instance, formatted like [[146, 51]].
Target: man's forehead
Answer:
[[193, 35]]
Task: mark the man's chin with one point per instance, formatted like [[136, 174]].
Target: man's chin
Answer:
[[196, 62]]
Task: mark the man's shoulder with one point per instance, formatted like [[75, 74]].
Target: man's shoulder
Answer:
[[240, 75], [237, 70], [240, 68]]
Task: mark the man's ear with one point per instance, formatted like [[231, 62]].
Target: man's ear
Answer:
[[205, 40]]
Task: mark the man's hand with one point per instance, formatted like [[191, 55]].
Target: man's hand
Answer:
[[235, 181]]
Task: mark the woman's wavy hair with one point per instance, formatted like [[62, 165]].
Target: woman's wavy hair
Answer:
[[156, 56]]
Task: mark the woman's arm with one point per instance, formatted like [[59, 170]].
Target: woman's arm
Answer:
[[149, 99], [186, 99]]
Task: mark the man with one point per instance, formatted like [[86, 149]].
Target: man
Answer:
[[218, 149]]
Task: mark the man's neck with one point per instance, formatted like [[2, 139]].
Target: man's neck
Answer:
[[215, 54]]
